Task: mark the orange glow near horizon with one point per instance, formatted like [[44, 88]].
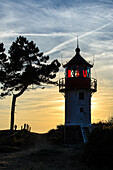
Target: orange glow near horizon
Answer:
[[45, 109]]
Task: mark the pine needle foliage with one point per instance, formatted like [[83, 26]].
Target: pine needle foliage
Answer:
[[24, 66]]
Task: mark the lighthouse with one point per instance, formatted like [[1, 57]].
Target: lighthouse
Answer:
[[77, 87]]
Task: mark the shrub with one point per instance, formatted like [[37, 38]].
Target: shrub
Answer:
[[56, 135], [99, 149]]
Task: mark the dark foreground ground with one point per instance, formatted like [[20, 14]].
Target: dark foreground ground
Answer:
[[30, 151]]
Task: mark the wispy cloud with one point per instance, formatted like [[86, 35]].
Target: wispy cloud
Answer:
[[11, 33], [60, 46]]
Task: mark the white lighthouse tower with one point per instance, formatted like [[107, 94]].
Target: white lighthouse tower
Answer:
[[78, 87]]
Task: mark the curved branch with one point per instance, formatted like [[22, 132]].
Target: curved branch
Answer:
[[21, 92]]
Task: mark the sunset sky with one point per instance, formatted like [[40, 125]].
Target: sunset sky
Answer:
[[54, 25]]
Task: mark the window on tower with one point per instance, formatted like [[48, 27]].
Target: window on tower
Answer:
[[81, 109], [81, 96]]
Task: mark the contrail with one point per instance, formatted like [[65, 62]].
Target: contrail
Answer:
[[12, 33], [60, 46]]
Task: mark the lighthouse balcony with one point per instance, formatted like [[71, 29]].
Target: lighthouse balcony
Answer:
[[77, 83]]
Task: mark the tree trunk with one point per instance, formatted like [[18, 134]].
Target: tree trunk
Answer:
[[12, 113], [13, 107]]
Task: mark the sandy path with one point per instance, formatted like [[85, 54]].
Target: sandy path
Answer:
[[18, 159]]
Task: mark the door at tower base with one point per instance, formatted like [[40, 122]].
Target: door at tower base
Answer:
[[77, 107], [73, 134]]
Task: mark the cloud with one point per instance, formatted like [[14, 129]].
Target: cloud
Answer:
[[60, 46]]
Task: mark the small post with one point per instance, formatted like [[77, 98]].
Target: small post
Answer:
[[15, 127], [27, 127], [24, 126]]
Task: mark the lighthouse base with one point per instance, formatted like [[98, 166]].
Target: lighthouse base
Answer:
[[73, 134]]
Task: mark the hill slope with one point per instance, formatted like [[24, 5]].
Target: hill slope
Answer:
[[36, 151]]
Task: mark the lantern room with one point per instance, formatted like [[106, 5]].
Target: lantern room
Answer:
[[77, 71], [77, 74]]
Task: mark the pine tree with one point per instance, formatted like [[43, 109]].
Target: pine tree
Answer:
[[22, 67]]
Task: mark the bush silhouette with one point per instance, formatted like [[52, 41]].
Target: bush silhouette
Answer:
[[99, 149]]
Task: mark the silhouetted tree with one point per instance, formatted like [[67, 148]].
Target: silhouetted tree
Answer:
[[24, 66]]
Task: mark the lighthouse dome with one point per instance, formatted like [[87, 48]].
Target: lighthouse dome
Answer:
[[78, 60]]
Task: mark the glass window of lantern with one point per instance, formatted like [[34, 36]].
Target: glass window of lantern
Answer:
[[77, 73], [85, 71], [72, 73], [88, 72], [69, 73]]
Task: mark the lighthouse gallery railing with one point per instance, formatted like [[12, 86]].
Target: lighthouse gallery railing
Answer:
[[93, 85]]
